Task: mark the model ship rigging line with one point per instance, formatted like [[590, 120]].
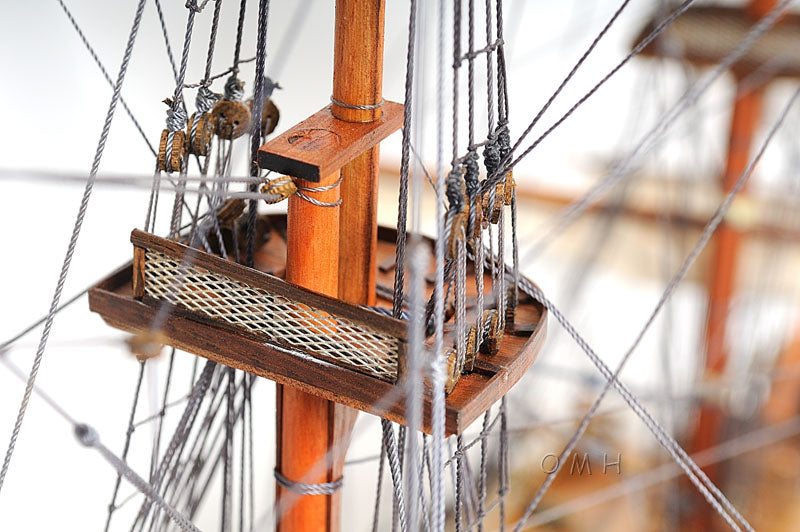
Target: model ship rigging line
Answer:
[[185, 296]]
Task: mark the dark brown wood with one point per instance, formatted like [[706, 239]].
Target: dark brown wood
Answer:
[[270, 283], [322, 144], [138, 271], [475, 393]]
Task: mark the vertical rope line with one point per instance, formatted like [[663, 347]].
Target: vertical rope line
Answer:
[[502, 470], [395, 469], [471, 71], [402, 204], [418, 263], [255, 132], [249, 398], [73, 242], [177, 103], [501, 252], [459, 487], [126, 447], [239, 31], [482, 475], [438, 361], [160, 420], [212, 40], [489, 70], [243, 461], [377, 508], [456, 65], [502, 87], [227, 464], [461, 303]]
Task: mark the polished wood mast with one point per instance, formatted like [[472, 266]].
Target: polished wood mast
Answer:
[[313, 433]]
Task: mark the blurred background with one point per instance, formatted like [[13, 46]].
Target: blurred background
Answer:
[[606, 270]]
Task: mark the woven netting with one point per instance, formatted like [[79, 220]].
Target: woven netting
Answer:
[[316, 332]]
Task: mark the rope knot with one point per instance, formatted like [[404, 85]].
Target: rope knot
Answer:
[[192, 4], [268, 86], [471, 174], [86, 435], [176, 118], [491, 157], [234, 88], [455, 196], [504, 141], [206, 99]]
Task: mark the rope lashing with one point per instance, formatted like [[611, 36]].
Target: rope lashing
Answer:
[[305, 488], [472, 186], [358, 107], [504, 147], [205, 99], [457, 212], [234, 88]]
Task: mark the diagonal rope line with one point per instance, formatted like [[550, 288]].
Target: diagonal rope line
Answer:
[[651, 139], [671, 287], [88, 437], [727, 450], [571, 74], [103, 70], [73, 241], [504, 165]]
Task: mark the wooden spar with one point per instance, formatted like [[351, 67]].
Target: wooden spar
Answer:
[[311, 430]]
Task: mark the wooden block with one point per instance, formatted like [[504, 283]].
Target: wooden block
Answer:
[[138, 272], [322, 144]]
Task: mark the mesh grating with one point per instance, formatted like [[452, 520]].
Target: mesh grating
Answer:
[[334, 338]]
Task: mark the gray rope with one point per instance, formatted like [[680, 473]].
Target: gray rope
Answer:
[[572, 73], [438, 361], [305, 488], [88, 437], [395, 469], [103, 71], [72, 242], [677, 278], [126, 447], [41, 320], [402, 197], [495, 178], [165, 34], [650, 139]]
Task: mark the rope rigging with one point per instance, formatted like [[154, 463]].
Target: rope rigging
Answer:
[[457, 296]]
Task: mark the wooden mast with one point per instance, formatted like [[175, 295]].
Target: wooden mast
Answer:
[[310, 430], [745, 117]]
